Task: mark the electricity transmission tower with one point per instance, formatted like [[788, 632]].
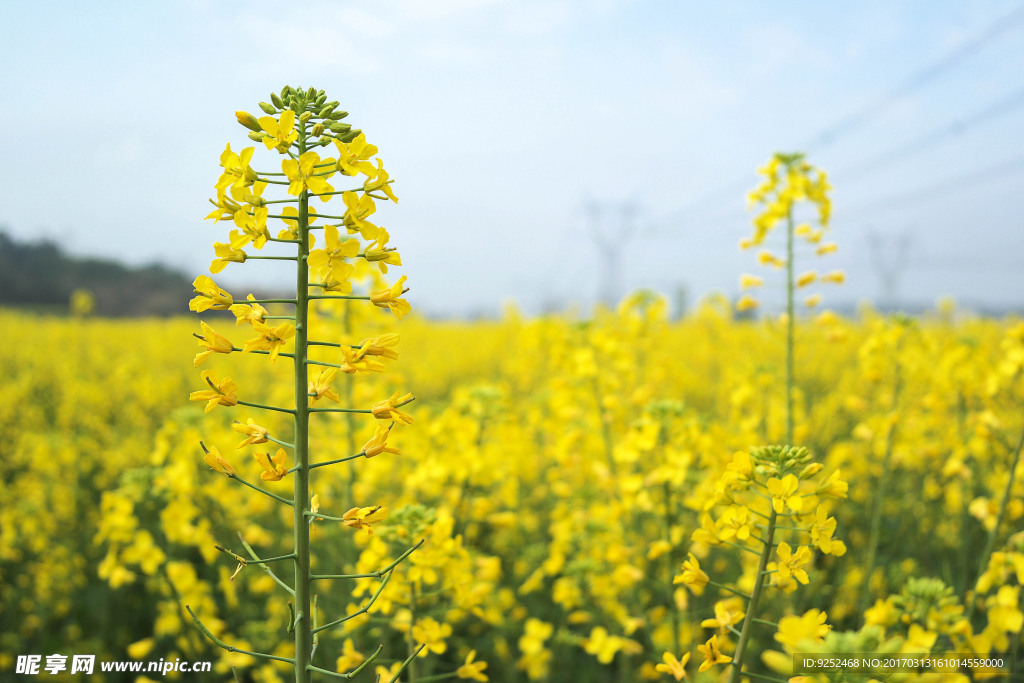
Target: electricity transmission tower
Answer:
[[611, 226], [889, 257]]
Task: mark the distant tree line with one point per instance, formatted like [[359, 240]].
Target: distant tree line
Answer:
[[40, 276]]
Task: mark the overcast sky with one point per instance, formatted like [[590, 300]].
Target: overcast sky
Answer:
[[523, 133]]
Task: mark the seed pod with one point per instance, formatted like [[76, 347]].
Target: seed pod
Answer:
[[268, 108]]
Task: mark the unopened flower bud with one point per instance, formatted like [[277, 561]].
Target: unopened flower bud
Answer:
[[341, 127], [268, 108], [305, 116], [248, 120], [311, 93], [276, 100], [811, 470], [326, 111], [257, 137], [338, 115], [318, 129], [350, 136]]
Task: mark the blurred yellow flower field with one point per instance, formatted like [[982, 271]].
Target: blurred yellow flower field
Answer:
[[578, 486]]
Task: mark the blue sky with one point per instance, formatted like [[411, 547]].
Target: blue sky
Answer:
[[517, 130]]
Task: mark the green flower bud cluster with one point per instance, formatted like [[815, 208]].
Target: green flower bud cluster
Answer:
[[309, 105], [777, 461], [928, 601]]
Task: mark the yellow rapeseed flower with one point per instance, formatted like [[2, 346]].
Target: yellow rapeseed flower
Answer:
[[675, 667], [212, 341], [270, 339], [217, 462], [388, 409], [389, 298], [712, 655], [223, 393], [280, 133], [364, 518], [274, 468], [255, 433], [320, 386], [303, 175], [210, 296], [471, 669]]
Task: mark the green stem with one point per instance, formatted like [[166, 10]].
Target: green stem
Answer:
[[790, 326], [874, 537], [350, 419], [303, 630], [755, 599], [408, 634], [669, 523], [991, 542]]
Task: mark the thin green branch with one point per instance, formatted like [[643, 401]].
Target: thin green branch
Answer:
[[260, 563], [266, 407], [337, 460], [406, 663], [263, 301], [339, 296], [232, 648], [351, 674], [362, 610], [728, 588], [263, 491], [377, 574], [266, 353]]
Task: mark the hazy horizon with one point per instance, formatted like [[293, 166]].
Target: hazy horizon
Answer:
[[522, 135]]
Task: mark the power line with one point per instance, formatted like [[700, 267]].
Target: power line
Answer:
[[924, 142], [1004, 168], [830, 134], [855, 121]]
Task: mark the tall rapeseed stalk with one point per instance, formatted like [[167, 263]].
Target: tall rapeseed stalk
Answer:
[[296, 123]]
